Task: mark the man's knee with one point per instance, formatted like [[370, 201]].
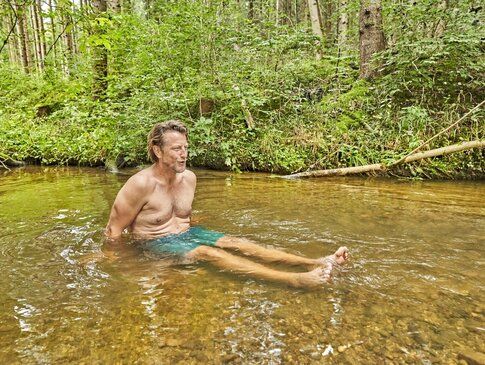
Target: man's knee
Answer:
[[203, 252]]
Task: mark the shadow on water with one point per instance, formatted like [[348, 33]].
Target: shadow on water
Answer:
[[413, 292]]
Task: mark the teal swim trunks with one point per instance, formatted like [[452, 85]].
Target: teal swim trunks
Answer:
[[180, 244]]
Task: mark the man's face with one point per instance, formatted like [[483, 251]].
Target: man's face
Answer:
[[174, 151]]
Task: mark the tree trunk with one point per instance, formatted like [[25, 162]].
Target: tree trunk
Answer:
[[441, 25], [343, 24], [114, 6], [327, 21], [372, 38], [23, 33], [53, 33], [315, 18], [40, 22], [67, 37], [338, 172], [9, 42], [288, 11], [100, 57], [444, 150], [35, 43], [251, 9], [277, 11], [126, 6], [39, 55]]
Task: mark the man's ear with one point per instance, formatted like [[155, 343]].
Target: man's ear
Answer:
[[157, 150]]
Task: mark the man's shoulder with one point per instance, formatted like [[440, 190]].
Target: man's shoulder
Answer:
[[142, 179], [189, 177], [188, 174]]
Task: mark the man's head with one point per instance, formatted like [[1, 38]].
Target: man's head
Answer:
[[156, 137]]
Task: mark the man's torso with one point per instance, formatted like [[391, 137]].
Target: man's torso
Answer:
[[167, 209]]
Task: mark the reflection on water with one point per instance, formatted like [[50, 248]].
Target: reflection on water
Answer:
[[412, 294]]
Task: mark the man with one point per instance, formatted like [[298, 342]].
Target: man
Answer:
[[155, 204]]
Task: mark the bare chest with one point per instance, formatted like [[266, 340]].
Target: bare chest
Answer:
[[165, 204]]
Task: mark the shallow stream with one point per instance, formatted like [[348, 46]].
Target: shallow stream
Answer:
[[412, 294]]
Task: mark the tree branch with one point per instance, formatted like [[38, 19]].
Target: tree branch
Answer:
[[53, 44]]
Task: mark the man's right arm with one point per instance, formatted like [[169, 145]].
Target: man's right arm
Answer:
[[127, 205]]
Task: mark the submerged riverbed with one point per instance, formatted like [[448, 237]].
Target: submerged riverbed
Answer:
[[413, 292]]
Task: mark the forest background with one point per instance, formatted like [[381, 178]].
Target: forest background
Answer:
[[277, 86]]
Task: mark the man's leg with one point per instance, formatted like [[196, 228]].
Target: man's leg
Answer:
[[249, 248], [241, 265]]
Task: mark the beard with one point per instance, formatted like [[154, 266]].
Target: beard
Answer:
[[180, 167]]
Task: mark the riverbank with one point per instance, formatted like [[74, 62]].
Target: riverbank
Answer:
[[80, 132]]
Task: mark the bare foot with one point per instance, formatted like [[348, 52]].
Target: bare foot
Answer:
[[339, 258], [315, 278]]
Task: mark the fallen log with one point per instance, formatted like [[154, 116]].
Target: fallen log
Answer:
[[338, 172], [382, 167], [442, 151], [441, 132]]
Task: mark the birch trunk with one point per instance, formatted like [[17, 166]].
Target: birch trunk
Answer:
[[316, 21], [315, 18], [343, 24]]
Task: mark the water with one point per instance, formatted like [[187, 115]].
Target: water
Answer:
[[413, 292]]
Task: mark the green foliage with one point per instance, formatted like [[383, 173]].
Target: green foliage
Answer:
[[437, 55], [274, 106]]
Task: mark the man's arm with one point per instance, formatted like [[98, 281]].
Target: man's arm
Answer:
[[128, 203]]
